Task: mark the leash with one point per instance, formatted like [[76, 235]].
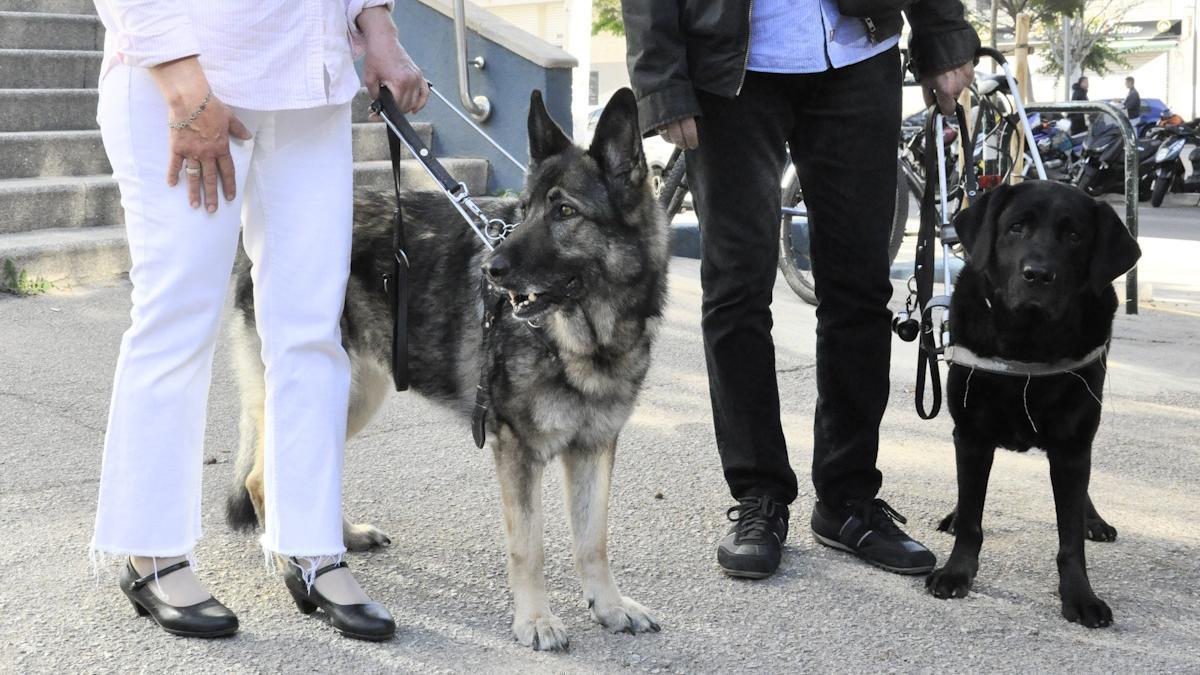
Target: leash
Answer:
[[922, 299], [489, 231]]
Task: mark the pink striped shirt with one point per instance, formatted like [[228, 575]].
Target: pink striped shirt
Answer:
[[260, 55]]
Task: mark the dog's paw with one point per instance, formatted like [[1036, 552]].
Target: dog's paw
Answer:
[[950, 523], [1087, 610], [364, 536], [624, 616], [948, 583], [545, 632], [1098, 530]]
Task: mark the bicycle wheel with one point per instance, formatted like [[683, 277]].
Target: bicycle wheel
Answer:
[[795, 261], [674, 184]]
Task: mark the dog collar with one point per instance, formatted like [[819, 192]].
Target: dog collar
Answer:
[[961, 356]]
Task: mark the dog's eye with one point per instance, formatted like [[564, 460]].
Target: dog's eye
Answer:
[[1074, 235], [1016, 228], [566, 211]]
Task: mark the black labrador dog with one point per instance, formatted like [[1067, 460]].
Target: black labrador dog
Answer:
[[1035, 296]]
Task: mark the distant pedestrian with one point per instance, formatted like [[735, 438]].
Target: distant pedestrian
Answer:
[[1133, 100], [1079, 92]]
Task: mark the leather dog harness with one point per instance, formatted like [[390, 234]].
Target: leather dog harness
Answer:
[[959, 355], [490, 231]]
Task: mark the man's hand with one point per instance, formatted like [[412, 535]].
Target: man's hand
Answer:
[[202, 148], [681, 133], [388, 65], [947, 87]]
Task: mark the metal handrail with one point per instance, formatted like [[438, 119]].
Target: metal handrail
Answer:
[[1129, 138], [479, 107]]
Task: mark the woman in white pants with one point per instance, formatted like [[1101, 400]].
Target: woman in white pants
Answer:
[[251, 100]]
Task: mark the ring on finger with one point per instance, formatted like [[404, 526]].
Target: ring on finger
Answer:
[[192, 168]]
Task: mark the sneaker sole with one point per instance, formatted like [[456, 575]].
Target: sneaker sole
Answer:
[[743, 574], [833, 543]]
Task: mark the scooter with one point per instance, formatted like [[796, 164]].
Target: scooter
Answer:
[[1104, 161], [1169, 171]]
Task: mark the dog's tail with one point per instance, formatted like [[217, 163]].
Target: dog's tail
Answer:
[[248, 366]]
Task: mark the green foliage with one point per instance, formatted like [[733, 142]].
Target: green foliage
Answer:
[[18, 282], [606, 17], [1093, 35]]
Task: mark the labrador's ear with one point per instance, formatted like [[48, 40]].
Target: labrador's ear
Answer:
[[546, 138], [976, 225], [1114, 250], [617, 143]]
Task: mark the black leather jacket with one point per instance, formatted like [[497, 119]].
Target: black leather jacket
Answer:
[[678, 46]]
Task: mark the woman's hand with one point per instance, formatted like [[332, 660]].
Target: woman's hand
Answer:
[[202, 148], [388, 65]]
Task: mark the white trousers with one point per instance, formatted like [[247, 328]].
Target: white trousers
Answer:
[[294, 207]]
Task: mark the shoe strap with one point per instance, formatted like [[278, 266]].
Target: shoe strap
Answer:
[[138, 584], [329, 568]]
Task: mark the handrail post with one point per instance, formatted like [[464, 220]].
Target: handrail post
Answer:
[[1132, 184], [479, 107]]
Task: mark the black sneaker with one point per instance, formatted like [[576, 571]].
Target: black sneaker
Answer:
[[753, 546], [867, 528]]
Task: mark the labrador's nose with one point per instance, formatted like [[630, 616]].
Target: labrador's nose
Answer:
[[1036, 273]]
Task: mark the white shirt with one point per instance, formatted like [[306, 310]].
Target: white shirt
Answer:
[[259, 55]]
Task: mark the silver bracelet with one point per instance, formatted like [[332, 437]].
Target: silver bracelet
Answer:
[[176, 126]]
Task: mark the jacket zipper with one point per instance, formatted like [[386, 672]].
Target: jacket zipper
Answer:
[[746, 61], [871, 30]]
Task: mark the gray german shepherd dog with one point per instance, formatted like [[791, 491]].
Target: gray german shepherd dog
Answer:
[[588, 264]]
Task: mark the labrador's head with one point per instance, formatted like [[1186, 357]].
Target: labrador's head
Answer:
[[1040, 245]]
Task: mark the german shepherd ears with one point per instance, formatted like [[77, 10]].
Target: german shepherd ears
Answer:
[[1114, 250], [546, 138], [616, 145]]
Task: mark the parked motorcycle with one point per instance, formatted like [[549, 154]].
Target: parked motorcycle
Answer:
[[1104, 161], [1061, 152], [1170, 173]]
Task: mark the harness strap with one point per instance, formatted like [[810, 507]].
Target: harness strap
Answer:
[[961, 356], [398, 290], [923, 267]]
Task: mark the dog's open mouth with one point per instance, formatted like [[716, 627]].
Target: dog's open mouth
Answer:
[[533, 305]]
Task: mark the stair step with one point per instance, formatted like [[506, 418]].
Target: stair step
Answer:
[[39, 68], [68, 256], [43, 30], [30, 204], [74, 109], [48, 109], [81, 153], [87, 7]]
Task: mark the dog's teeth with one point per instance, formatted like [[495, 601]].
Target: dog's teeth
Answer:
[[532, 297], [512, 296]]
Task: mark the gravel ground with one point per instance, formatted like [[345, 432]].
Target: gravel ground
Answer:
[[415, 474]]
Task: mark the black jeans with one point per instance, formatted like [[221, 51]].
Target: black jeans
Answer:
[[842, 128]]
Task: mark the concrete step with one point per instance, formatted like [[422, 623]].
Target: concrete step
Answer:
[[48, 109], [42, 30], [81, 153], [74, 109], [50, 6], [68, 256], [30, 204], [41, 68]]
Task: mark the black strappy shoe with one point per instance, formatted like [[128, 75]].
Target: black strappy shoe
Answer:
[[208, 619], [368, 621]]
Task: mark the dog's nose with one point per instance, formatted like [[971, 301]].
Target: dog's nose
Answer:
[[497, 267], [1037, 274]]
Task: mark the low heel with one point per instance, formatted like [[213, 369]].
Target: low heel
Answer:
[[137, 607], [302, 603]]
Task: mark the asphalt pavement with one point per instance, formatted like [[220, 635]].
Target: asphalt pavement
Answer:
[[415, 473]]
